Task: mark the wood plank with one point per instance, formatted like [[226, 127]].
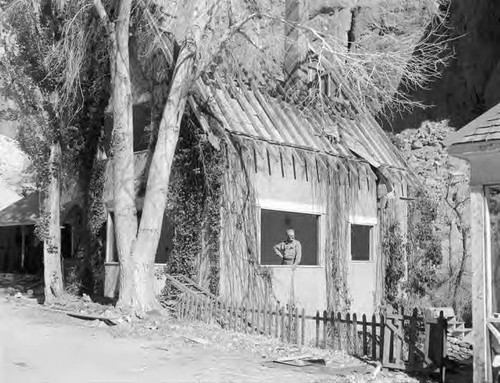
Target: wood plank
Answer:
[[340, 332], [398, 343], [348, 333], [317, 328], [334, 330], [325, 329], [257, 319], [282, 313], [110, 321], [382, 337], [277, 326], [374, 338], [365, 338], [303, 327], [412, 340], [297, 326], [355, 333], [388, 337]]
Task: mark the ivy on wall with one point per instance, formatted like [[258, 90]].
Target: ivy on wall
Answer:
[[394, 253], [194, 206]]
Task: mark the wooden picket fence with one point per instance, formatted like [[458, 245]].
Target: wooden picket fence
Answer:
[[399, 341], [284, 323]]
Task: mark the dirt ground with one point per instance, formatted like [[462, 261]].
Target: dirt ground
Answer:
[[38, 345]]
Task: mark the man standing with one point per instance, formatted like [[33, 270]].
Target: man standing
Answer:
[[289, 250]]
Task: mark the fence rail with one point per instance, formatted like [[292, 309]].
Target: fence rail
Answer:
[[286, 324], [406, 342]]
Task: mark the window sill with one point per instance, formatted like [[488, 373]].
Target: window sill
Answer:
[[294, 267], [369, 261], [114, 263]]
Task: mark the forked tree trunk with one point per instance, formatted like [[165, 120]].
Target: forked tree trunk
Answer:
[[52, 243], [155, 200], [137, 249]]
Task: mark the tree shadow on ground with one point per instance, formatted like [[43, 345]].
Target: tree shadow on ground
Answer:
[[24, 284]]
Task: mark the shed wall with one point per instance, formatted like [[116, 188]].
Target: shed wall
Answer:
[[341, 192]]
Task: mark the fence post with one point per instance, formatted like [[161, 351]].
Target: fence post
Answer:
[[317, 328], [443, 327], [264, 320], [186, 306], [340, 335], [365, 345], [276, 320], [257, 321], [191, 307], [332, 324], [382, 337], [348, 332], [398, 340], [374, 337], [179, 308], [412, 339], [226, 315], [282, 323], [325, 329], [289, 335], [230, 313], [252, 319], [303, 325], [244, 322], [203, 309], [355, 333], [198, 308], [296, 323]]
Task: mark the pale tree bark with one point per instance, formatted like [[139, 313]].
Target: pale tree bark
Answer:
[[125, 215], [52, 242], [161, 164], [136, 250]]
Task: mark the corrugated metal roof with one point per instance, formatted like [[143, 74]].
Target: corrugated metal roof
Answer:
[[249, 112], [23, 212], [7, 196], [486, 127]]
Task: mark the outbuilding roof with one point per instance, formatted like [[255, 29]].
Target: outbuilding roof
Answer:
[[484, 128], [22, 212], [246, 111]]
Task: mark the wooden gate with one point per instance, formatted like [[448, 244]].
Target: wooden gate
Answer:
[[409, 347]]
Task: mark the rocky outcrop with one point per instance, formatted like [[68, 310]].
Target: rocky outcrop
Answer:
[[444, 178], [470, 84]]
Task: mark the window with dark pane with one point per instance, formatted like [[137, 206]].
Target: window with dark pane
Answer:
[[274, 225], [165, 244], [360, 242]]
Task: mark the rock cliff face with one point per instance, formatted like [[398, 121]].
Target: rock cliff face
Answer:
[[446, 180], [470, 84]]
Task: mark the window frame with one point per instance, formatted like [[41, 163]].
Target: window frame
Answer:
[[363, 221], [110, 244], [281, 206]]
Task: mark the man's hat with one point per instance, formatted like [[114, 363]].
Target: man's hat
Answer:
[[290, 232]]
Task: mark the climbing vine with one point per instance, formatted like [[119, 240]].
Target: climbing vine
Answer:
[[194, 206], [394, 253]]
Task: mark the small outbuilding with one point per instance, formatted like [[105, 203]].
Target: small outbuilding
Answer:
[[479, 143]]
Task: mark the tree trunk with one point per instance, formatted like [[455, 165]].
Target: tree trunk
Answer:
[[52, 243], [125, 215], [155, 200], [158, 180], [136, 250], [461, 268]]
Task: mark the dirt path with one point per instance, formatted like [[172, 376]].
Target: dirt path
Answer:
[[40, 346]]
